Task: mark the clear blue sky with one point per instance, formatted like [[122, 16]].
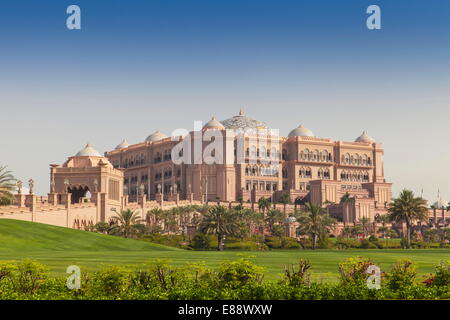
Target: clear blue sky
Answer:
[[139, 66]]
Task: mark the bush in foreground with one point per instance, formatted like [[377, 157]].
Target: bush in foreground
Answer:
[[239, 279]]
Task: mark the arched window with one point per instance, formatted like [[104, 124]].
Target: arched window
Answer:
[[347, 158], [316, 155], [253, 151], [285, 173], [308, 173], [274, 153], [302, 172], [306, 154], [263, 152]]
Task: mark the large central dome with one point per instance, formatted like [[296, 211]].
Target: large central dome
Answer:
[[243, 122]]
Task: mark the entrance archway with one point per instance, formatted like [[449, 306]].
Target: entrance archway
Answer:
[[78, 192]]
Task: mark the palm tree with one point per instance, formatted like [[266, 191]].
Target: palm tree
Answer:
[[285, 200], [263, 204], [383, 219], [154, 214], [365, 224], [127, 221], [407, 208], [298, 202], [314, 222], [273, 216], [346, 198], [221, 222], [7, 186]]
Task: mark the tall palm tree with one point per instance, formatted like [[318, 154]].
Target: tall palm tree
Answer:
[[263, 204], [273, 216], [7, 186], [407, 208], [383, 219], [154, 215], [285, 200], [298, 202], [221, 222], [127, 221], [366, 226], [347, 198], [314, 222]]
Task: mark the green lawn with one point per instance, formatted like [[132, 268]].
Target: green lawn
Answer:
[[60, 247]]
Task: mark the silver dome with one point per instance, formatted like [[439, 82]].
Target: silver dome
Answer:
[[88, 151], [243, 122], [290, 219], [123, 144], [301, 131], [364, 138], [213, 123], [155, 136]]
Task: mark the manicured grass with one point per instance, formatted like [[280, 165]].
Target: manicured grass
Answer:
[[60, 247]]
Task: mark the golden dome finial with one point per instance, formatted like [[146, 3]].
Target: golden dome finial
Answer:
[[241, 112]]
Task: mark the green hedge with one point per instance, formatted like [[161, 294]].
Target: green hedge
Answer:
[[239, 279]]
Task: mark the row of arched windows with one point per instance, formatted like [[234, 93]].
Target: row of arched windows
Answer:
[[354, 176], [356, 159], [165, 156], [316, 155], [261, 170], [321, 173], [260, 185], [133, 161], [263, 153]]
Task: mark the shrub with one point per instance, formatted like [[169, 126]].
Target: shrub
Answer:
[[200, 241], [111, 281], [246, 245], [298, 275], [442, 276], [289, 243], [353, 271], [366, 244], [28, 276], [342, 243], [402, 275], [324, 242], [238, 273]]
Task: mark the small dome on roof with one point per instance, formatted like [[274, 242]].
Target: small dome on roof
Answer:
[[88, 151], [155, 136], [213, 123], [440, 204], [301, 131], [364, 138], [242, 122], [123, 144], [290, 219]]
